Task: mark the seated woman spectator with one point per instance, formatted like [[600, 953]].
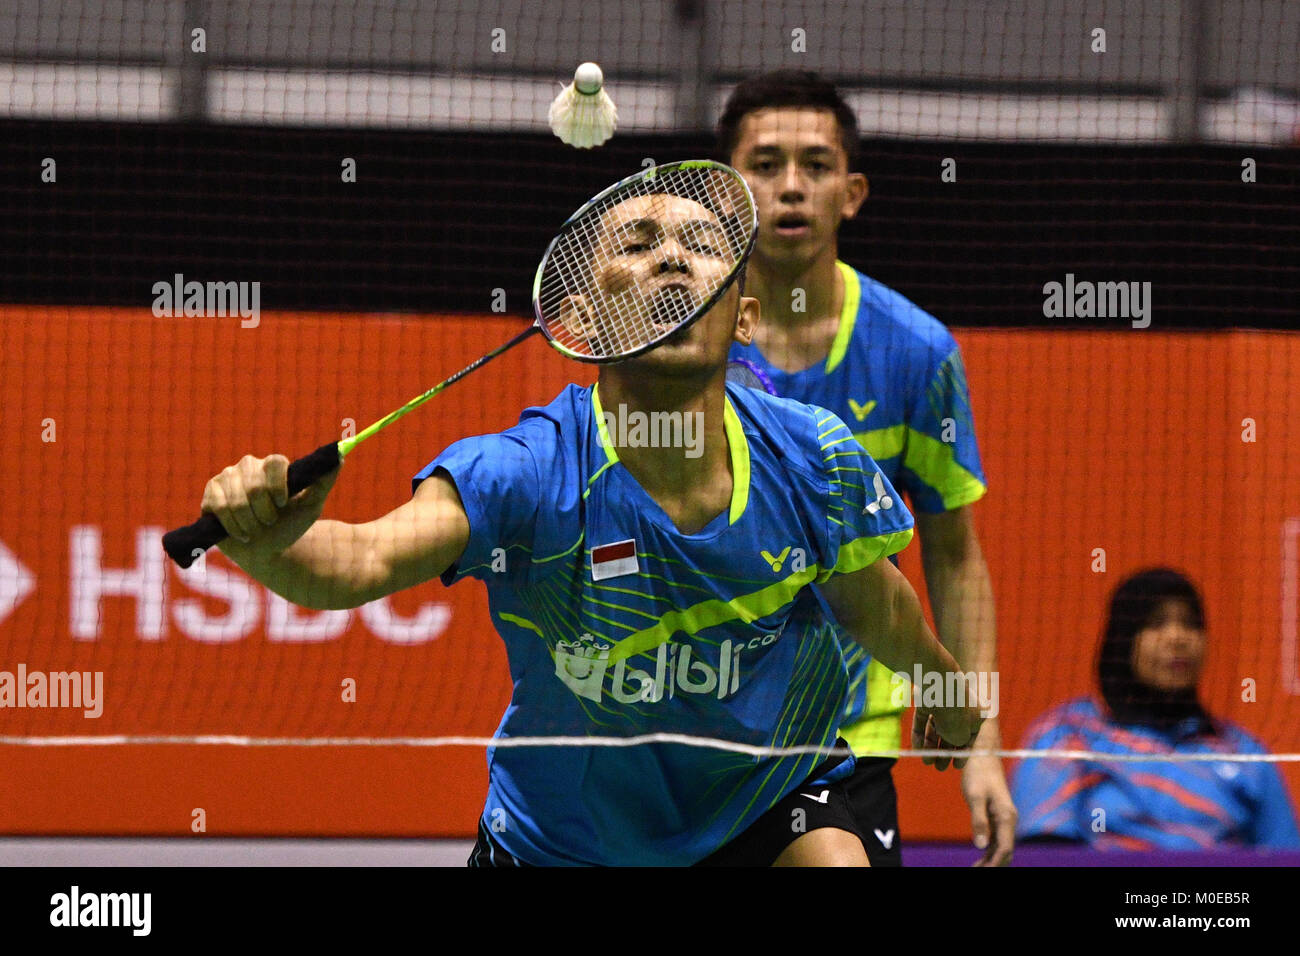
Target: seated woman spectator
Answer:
[[1149, 665]]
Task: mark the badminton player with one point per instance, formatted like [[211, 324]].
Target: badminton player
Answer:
[[835, 338], [642, 589]]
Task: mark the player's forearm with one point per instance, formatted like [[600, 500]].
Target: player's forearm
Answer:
[[961, 596], [878, 607], [325, 569], [900, 638]]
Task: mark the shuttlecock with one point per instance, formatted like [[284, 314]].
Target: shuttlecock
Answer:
[[583, 115]]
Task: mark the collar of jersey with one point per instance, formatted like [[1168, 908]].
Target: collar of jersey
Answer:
[[737, 443], [843, 332], [848, 316]]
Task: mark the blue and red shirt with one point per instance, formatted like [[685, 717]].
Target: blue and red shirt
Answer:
[[1152, 804]]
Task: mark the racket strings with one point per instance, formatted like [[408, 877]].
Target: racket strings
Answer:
[[639, 264]]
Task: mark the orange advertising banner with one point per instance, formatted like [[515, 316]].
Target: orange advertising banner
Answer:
[[1105, 452]]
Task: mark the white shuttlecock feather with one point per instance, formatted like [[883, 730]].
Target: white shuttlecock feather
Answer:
[[583, 115]]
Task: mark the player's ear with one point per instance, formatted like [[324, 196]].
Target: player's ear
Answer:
[[575, 317], [857, 195], [747, 318]]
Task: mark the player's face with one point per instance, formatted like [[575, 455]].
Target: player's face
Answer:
[[658, 258], [1169, 651], [795, 165]]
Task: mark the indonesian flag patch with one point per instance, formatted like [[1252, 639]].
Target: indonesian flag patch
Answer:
[[614, 560]]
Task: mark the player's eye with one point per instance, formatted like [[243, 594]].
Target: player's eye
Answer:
[[700, 241], [705, 245], [632, 248]]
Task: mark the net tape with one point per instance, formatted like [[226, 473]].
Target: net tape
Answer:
[[689, 740]]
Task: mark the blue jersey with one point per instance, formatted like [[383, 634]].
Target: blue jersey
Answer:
[[618, 624], [1149, 805], [896, 375]]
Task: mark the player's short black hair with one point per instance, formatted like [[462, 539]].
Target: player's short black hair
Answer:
[[792, 88]]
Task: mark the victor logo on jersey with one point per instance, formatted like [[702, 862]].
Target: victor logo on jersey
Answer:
[[583, 666], [861, 411], [776, 561]]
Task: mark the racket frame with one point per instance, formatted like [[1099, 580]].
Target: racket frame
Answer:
[[623, 184]]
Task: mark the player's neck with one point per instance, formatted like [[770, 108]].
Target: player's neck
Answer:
[[794, 293], [801, 308], [681, 459]]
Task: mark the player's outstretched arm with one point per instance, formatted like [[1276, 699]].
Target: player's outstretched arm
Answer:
[[326, 565], [878, 607]]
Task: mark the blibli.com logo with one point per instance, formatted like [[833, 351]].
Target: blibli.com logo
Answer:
[[583, 665]]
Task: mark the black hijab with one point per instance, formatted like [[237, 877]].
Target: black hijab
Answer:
[[1131, 608]]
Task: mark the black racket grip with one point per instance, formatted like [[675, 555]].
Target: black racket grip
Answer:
[[183, 545]]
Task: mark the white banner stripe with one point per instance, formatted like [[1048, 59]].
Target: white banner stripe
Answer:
[[225, 740]]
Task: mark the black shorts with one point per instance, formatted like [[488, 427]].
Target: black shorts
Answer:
[[875, 809], [488, 852], [802, 810]]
